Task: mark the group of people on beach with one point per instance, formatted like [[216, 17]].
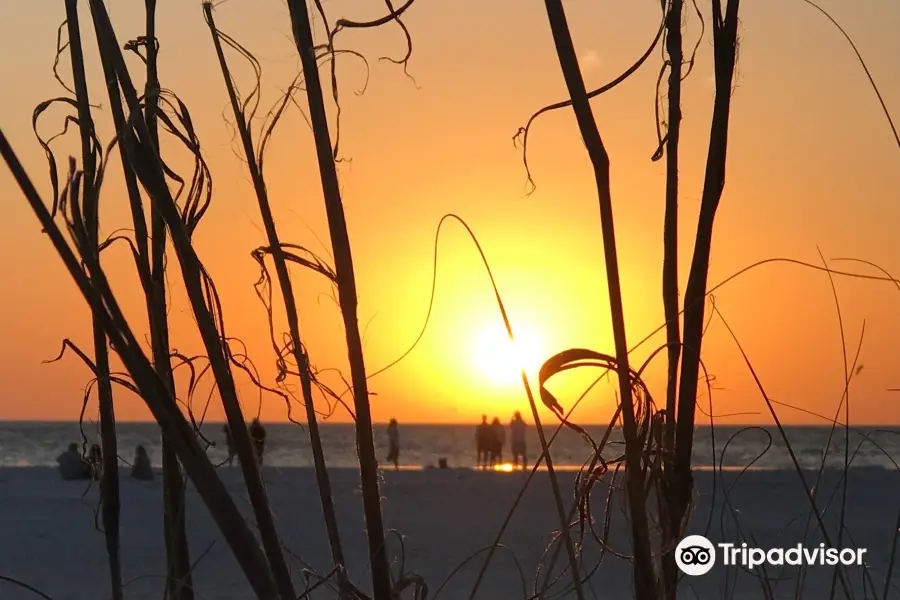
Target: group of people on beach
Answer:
[[257, 440], [73, 465], [489, 441], [491, 437]]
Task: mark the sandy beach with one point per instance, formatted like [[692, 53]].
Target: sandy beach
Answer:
[[48, 533]]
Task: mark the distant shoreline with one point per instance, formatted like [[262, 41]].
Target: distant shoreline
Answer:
[[37, 443], [547, 425], [468, 469]]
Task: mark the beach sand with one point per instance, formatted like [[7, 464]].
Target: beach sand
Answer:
[[48, 536]]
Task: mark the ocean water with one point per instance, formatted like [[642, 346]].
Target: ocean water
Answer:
[[26, 444]]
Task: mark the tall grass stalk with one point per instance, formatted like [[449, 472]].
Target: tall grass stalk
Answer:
[[109, 482], [845, 403], [644, 578], [343, 262], [679, 480], [670, 281], [287, 292], [178, 572]]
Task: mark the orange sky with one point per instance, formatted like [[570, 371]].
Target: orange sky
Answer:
[[811, 162]]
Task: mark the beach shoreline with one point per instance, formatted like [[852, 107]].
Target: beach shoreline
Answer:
[[37, 444]]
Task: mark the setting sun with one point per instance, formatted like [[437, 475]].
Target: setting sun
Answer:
[[500, 361]]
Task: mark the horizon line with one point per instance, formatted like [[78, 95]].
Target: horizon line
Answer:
[[327, 423]]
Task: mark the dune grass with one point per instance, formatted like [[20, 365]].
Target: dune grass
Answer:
[[656, 461]]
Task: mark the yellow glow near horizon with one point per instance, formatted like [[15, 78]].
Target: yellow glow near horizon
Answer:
[[500, 361]]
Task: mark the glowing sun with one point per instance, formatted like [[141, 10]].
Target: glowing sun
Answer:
[[500, 361]]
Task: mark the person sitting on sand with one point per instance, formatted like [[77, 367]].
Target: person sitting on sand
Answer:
[[229, 444], [258, 438], [141, 469], [72, 465], [393, 435], [483, 442], [499, 438], [517, 443], [95, 458]]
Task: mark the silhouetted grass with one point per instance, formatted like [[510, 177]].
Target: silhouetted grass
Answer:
[[90, 238], [279, 253], [346, 287], [656, 460]]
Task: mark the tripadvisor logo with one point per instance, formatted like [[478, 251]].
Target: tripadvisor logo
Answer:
[[696, 555]]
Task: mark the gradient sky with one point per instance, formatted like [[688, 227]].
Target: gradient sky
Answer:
[[811, 163]]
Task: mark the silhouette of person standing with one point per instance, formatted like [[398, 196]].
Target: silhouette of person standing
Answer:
[[483, 436], [499, 438], [258, 439], [393, 435], [95, 459], [229, 444], [517, 442]]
